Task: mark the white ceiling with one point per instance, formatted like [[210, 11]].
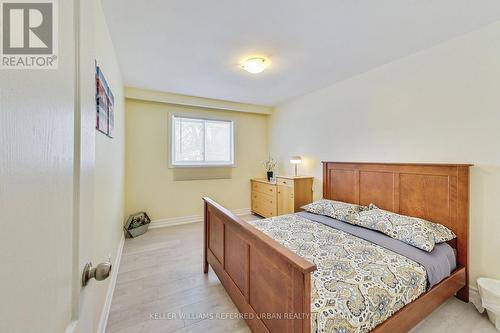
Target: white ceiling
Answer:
[[194, 47]]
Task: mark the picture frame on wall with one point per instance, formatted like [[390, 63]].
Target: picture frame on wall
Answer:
[[105, 118]]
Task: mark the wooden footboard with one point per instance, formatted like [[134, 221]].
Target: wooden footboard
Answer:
[[270, 285]]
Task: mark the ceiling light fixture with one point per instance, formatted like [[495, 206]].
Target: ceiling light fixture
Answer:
[[255, 65]]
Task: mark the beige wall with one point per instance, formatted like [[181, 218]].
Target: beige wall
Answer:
[[440, 105], [150, 184]]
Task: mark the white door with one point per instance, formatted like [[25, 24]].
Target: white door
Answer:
[[46, 187]]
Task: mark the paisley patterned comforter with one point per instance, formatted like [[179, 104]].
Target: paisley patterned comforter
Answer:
[[358, 284]]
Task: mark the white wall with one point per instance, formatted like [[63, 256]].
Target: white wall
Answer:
[[439, 105]]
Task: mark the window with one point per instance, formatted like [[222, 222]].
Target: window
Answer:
[[202, 142]]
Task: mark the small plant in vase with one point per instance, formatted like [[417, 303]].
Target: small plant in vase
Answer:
[[270, 165]]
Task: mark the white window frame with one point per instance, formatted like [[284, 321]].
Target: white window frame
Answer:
[[199, 164]]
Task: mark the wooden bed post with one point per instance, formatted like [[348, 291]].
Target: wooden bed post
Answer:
[[205, 237], [463, 230]]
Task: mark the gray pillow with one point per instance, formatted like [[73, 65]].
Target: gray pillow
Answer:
[[335, 209], [414, 231]]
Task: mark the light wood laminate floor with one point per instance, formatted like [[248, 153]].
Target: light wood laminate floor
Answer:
[[161, 288]]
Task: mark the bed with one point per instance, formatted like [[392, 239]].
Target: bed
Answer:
[[273, 270]]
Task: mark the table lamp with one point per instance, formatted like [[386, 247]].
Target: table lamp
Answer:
[[296, 160]]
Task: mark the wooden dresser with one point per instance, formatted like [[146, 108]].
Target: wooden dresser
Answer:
[[284, 197]]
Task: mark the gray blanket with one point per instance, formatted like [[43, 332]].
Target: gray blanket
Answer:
[[438, 264]]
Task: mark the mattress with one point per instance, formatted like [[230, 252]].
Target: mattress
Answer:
[[358, 284]]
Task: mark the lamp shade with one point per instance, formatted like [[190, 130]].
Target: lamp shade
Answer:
[[296, 160]]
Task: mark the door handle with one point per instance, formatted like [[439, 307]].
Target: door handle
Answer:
[[100, 272]]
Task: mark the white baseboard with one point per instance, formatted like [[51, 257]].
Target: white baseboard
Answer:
[[161, 223], [103, 321]]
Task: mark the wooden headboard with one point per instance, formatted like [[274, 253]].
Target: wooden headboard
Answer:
[[435, 192]]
